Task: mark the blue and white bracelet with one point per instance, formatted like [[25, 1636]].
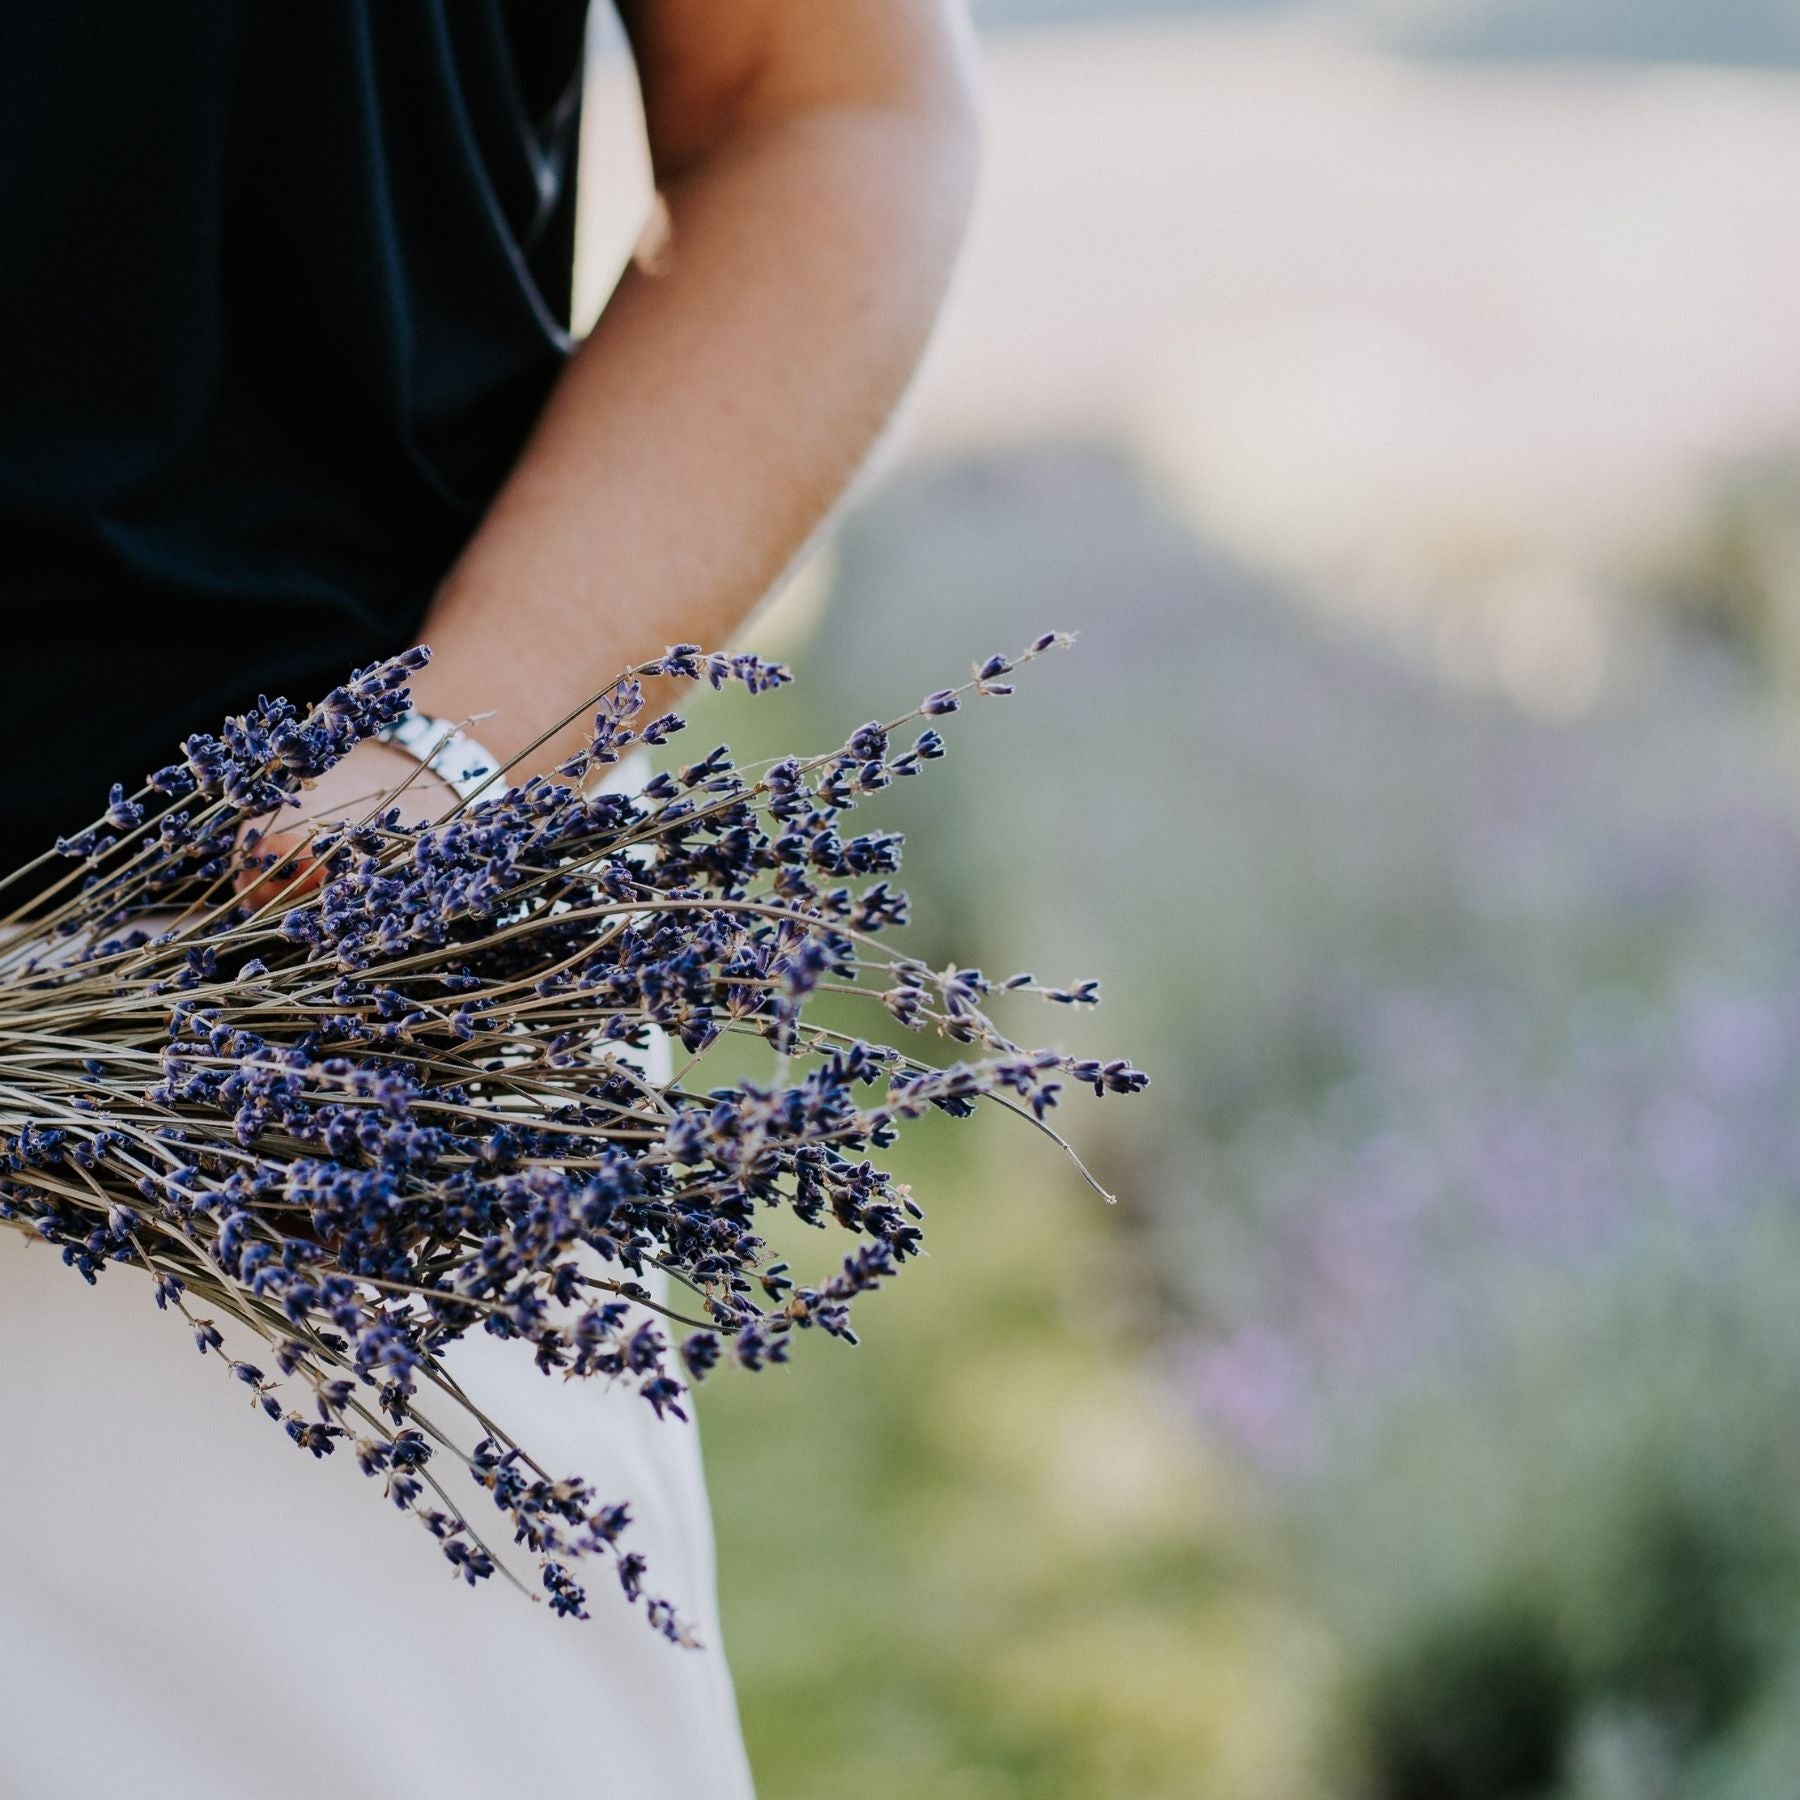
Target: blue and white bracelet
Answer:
[[448, 751]]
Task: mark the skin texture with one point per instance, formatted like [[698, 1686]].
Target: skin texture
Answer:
[[816, 159]]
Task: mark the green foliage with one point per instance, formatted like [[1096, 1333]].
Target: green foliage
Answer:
[[1579, 1565], [1023, 1579]]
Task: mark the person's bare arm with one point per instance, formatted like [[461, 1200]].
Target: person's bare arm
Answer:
[[817, 160]]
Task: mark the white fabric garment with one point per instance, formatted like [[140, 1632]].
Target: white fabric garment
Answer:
[[191, 1608]]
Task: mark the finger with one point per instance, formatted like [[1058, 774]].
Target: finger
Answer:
[[277, 867]]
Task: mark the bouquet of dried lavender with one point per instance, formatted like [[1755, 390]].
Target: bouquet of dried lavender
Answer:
[[394, 1091]]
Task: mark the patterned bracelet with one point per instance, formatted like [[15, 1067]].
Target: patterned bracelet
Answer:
[[445, 749]]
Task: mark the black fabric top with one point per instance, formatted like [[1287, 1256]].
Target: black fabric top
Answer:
[[283, 286]]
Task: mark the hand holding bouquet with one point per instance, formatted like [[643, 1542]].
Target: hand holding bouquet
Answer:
[[385, 1086]]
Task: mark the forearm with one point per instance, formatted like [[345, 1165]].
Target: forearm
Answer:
[[717, 410]]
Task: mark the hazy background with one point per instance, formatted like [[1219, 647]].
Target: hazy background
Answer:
[[1402, 398]]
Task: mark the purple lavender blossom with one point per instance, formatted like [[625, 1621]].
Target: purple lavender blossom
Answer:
[[400, 1104]]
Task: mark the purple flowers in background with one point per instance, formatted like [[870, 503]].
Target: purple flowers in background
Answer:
[[1465, 1159]]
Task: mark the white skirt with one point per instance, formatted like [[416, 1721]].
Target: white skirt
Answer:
[[192, 1608]]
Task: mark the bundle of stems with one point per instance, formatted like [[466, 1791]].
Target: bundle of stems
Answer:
[[390, 1084]]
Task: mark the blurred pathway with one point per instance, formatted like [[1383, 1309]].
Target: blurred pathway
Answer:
[[1358, 307]]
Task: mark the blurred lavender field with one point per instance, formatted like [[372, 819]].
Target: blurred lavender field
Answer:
[[1457, 1246], [1415, 442]]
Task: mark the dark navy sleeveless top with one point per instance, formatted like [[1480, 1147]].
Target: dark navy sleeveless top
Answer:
[[283, 286]]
